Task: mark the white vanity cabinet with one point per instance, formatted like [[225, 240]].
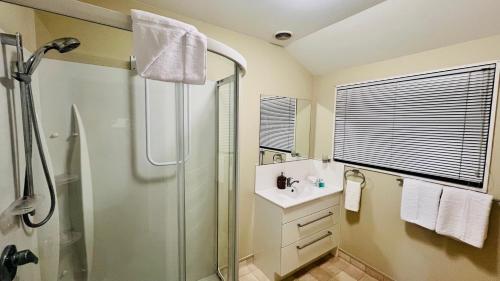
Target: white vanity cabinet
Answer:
[[287, 238]]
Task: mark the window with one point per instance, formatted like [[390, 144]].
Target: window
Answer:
[[277, 123], [434, 125]]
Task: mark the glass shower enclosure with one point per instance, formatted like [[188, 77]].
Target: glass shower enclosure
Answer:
[[145, 171]]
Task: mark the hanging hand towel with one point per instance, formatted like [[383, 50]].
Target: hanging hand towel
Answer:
[[420, 202], [352, 195], [464, 215], [168, 50]]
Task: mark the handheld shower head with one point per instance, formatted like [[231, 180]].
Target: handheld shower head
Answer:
[[63, 45]]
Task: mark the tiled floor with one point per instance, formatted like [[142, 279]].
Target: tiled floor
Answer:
[[327, 269], [332, 269], [249, 272]]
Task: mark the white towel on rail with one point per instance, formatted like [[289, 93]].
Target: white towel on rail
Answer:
[[420, 202], [195, 58], [464, 215], [167, 49], [352, 195]]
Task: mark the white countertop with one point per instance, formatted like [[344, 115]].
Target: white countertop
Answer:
[[303, 193]]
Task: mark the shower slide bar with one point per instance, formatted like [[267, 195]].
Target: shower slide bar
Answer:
[[148, 127]]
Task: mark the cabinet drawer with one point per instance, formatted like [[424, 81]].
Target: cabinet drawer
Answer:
[[311, 207], [307, 249], [308, 225]]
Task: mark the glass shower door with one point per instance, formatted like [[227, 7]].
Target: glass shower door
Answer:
[[135, 204], [124, 214]]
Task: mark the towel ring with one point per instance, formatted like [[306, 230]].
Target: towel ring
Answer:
[[355, 173]]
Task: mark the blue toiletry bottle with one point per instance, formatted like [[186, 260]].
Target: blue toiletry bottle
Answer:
[[321, 183]]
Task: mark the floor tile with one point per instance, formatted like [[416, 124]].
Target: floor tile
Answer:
[[307, 277], [330, 267], [248, 277], [251, 267], [320, 274], [354, 272], [367, 278], [340, 263], [260, 275], [243, 270], [342, 276]]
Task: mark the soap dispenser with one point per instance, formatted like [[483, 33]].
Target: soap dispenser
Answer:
[[281, 181]]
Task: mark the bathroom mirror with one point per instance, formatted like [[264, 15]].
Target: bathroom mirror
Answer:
[[285, 124]]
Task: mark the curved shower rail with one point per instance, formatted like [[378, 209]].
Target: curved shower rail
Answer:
[[103, 16]]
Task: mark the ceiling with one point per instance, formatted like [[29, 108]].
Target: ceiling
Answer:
[[396, 28], [334, 34], [262, 18]]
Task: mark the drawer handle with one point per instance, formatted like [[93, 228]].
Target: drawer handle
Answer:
[[315, 220], [315, 240]]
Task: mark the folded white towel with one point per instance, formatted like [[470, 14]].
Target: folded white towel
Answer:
[[168, 50], [195, 57], [420, 202], [352, 195], [464, 215]]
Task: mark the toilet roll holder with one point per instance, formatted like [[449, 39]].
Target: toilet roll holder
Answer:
[[355, 173]]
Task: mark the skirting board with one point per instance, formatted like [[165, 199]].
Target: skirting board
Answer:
[[363, 266]]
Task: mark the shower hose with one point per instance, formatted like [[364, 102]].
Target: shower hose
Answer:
[[30, 121]]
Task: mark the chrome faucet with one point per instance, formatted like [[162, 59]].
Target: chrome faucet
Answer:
[[290, 181]]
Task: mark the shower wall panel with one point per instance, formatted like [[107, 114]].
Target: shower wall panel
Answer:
[[135, 202]]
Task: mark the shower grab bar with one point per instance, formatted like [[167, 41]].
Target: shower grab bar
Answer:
[[148, 129]]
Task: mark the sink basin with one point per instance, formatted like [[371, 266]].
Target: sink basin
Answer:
[[299, 193], [296, 191]]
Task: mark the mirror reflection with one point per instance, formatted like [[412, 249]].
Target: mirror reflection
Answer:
[[284, 129]]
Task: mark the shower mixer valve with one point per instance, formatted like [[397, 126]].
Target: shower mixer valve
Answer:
[[11, 259]]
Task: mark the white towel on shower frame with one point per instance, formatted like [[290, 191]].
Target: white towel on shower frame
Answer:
[[168, 50]]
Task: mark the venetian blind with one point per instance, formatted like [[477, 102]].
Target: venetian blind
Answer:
[[433, 125], [277, 123]]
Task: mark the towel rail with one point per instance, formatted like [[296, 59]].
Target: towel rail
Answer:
[[401, 181], [147, 112]]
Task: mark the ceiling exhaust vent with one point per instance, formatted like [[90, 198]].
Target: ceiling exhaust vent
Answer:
[[283, 35]]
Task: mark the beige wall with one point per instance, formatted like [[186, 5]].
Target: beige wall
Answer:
[[18, 19], [377, 235], [303, 127], [270, 69]]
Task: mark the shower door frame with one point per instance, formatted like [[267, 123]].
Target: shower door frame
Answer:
[[232, 204], [99, 15]]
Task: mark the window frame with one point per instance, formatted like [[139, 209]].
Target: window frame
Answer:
[[491, 130]]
